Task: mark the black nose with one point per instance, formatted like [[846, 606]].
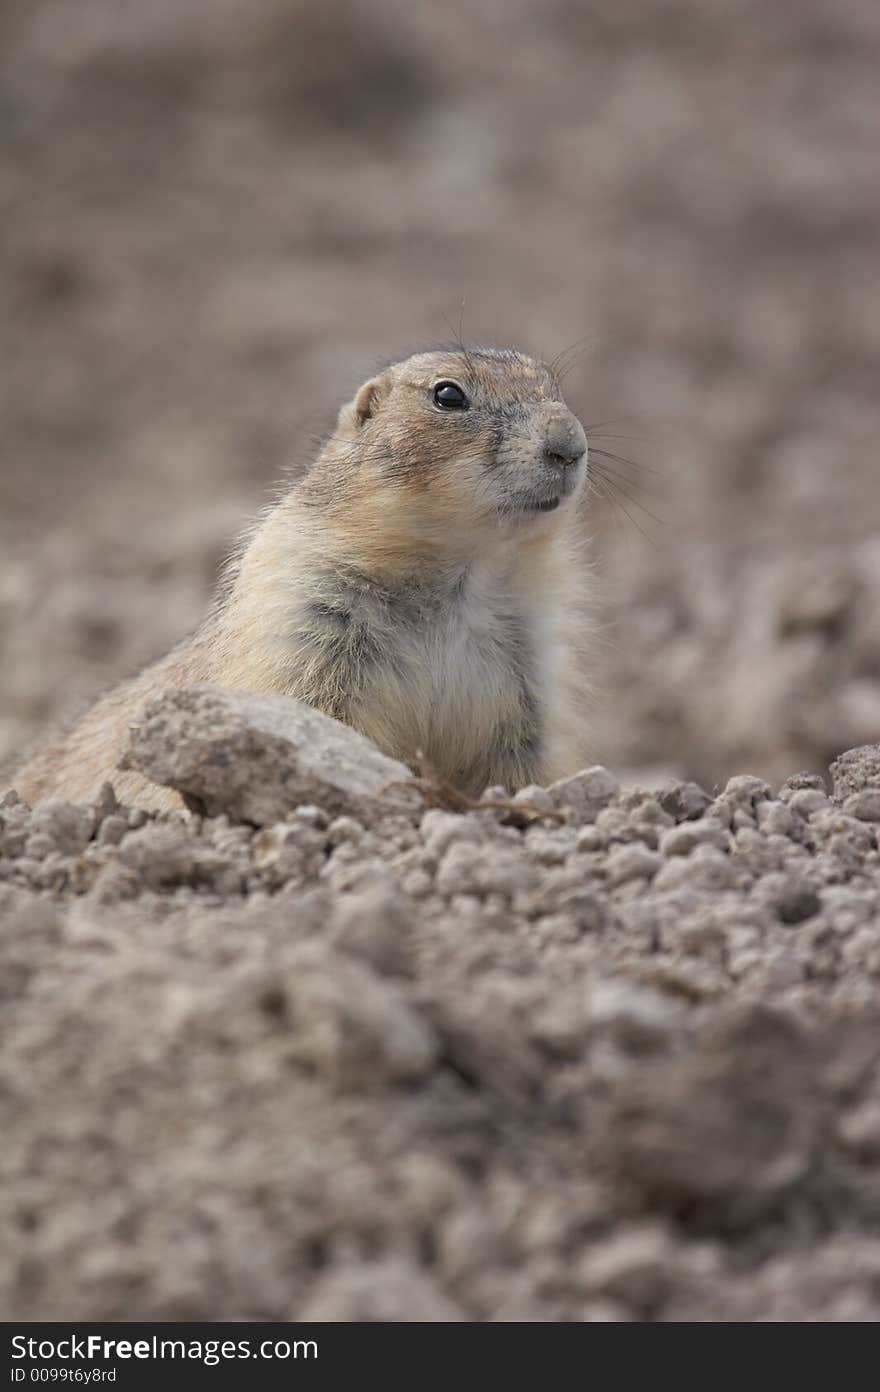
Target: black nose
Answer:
[[564, 438], [562, 461]]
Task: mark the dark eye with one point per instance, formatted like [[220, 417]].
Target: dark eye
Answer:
[[450, 397]]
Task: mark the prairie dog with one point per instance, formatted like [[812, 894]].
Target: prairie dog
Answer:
[[425, 582]]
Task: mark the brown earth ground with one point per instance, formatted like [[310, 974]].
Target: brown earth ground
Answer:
[[217, 219]]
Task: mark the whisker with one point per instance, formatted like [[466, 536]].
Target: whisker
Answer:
[[616, 485], [613, 420], [563, 372], [563, 363], [570, 348], [457, 335], [611, 496], [633, 464], [605, 470], [618, 489], [627, 468], [607, 435]]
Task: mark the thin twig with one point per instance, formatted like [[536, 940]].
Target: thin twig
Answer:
[[437, 792]]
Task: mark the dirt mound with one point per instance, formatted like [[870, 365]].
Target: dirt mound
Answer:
[[418, 1064]]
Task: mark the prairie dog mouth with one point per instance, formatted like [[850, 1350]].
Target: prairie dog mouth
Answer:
[[528, 507]]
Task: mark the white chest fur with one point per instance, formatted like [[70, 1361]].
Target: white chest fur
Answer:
[[458, 681]]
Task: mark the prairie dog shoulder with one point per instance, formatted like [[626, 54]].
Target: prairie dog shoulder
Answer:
[[425, 582]]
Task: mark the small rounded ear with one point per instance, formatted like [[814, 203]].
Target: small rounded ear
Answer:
[[365, 404]]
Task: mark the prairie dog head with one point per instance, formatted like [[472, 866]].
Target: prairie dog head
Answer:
[[450, 449]]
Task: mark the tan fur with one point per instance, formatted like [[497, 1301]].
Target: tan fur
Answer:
[[406, 585]]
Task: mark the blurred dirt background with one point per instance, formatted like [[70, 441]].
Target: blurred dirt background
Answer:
[[439, 1066], [218, 217]]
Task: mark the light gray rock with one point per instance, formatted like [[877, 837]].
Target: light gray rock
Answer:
[[804, 802], [585, 793], [864, 805], [684, 801], [64, 826], [632, 863], [256, 758], [681, 840], [856, 770], [161, 855]]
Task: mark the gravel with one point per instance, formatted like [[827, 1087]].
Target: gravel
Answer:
[[427, 1065]]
